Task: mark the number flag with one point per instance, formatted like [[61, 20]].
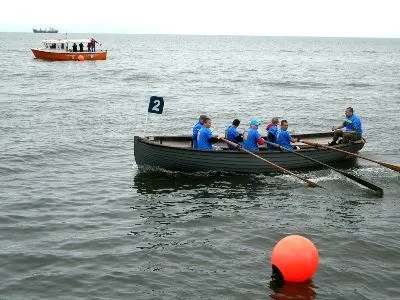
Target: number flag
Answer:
[[156, 105]]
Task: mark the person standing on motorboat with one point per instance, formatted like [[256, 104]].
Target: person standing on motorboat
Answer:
[[252, 138], [93, 44]]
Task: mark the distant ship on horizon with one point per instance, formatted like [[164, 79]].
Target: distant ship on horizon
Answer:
[[45, 30]]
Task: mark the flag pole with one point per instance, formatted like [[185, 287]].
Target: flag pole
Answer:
[[156, 105], [145, 128]]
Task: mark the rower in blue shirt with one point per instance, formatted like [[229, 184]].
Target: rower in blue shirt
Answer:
[[232, 134], [196, 129], [272, 132], [353, 128], [252, 138], [205, 138], [284, 138]]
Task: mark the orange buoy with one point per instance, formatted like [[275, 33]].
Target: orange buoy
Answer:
[[80, 57], [296, 257]]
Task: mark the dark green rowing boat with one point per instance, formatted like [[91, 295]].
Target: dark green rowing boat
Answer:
[[175, 153]]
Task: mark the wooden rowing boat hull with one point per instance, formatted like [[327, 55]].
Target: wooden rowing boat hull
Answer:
[[160, 152]]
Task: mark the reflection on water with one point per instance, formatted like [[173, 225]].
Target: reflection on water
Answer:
[[169, 203], [156, 181], [291, 290], [215, 184], [170, 196]]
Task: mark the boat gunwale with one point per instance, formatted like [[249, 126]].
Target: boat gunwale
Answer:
[[187, 138], [67, 52]]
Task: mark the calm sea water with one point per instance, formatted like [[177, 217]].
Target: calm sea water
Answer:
[[79, 221]]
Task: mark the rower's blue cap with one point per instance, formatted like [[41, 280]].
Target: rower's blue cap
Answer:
[[254, 122]]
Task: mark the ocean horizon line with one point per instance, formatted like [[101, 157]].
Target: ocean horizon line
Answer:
[[200, 34]]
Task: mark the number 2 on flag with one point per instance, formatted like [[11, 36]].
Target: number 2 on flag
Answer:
[[156, 105]]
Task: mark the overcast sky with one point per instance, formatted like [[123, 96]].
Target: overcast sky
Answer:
[[363, 18]]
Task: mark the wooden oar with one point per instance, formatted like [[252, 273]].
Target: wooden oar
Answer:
[[282, 169], [387, 165], [351, 176]]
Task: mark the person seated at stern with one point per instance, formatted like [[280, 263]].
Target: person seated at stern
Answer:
[[353, 128], [232, 133], [284, 138], [205, 137], [252, 138]]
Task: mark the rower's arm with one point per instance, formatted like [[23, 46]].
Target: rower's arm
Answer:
[[338, 127]]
